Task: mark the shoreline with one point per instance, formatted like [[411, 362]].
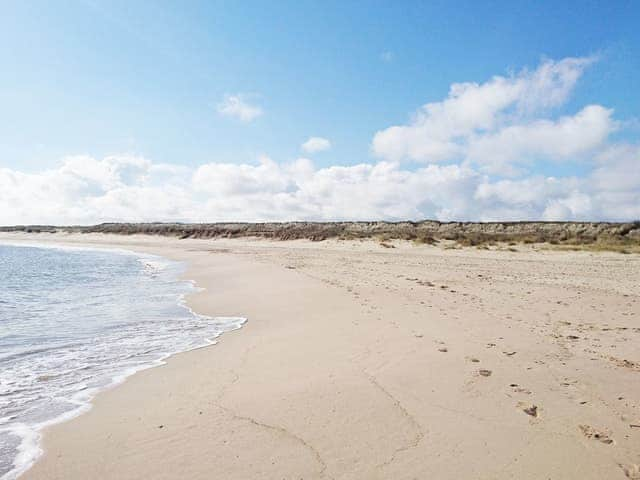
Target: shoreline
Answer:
[[30, 448], [359, 362]]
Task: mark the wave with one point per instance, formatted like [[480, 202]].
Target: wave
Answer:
[[121, 331]]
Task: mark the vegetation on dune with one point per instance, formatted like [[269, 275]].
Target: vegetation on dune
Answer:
[[593, 236]]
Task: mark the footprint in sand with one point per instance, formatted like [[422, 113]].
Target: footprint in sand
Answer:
[[531, 410], [631, 471], [590, 432]]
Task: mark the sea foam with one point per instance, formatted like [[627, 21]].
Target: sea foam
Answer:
[[74, 321]]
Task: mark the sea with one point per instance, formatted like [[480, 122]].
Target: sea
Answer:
[[75, 321]]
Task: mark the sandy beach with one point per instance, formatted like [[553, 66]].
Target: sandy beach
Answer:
[[362, 361]]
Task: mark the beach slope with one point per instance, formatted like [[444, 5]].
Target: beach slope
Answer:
[[361, 361]]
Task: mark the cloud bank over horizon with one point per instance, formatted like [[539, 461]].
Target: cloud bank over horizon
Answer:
[[469, 156]]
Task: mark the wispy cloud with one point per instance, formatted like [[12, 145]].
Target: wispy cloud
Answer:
[[316, 144], [387, 56], [239, 107]]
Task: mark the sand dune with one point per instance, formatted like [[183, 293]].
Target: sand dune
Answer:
[[426, 231]]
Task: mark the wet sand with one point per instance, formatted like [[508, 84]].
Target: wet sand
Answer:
[[365, 362]]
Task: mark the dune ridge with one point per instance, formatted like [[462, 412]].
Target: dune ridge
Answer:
[[427, 231]]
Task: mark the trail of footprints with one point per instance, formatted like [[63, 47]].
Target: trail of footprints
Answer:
[[603, 436], [568, 334]]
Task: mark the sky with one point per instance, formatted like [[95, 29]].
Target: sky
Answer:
[[307, 110]]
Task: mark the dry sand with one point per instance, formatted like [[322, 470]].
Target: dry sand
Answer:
[[364, 362]]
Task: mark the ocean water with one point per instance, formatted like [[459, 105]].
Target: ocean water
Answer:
[[76, 321]]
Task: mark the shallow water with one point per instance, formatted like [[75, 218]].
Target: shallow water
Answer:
[[74, 321]]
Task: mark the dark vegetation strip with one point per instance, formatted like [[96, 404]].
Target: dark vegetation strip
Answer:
[[428, 231]]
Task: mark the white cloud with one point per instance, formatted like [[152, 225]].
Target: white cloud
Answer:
[[500, 127], [616, 181], [542, 198], [617, 168], [316, 144], [238, 106], [564, 138], [84, 190], [498, 124]]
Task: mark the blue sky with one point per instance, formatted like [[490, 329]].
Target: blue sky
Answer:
[[147, 79]]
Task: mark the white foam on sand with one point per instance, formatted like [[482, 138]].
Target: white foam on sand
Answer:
[[28, 436]]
